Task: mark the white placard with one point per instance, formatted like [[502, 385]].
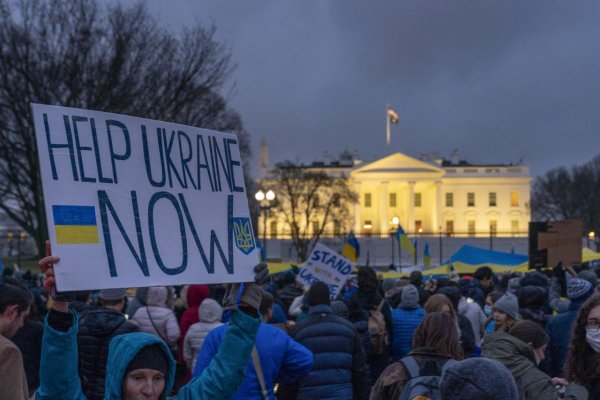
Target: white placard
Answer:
[[327, 266], [134, 202]]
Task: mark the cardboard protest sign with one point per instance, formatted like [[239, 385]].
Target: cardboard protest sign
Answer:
[[555, 241], [327, 266], [134, 202]]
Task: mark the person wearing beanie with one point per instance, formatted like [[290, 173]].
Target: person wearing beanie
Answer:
[[405, 320], [96, 330], [478, 379], [521, 350], [559, 327], [141, 365], [506, 311], [209, 315], [340, 369]]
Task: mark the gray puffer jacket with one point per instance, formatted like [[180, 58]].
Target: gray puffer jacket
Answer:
[[156, 318]]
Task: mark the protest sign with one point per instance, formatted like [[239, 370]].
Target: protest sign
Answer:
[[327, 266], [134, 202]]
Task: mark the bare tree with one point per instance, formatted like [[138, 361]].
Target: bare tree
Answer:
[[76, 53], [569, 193], [308, 201]]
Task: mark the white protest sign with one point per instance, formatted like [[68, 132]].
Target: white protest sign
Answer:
[[134, 202], [327, 266]]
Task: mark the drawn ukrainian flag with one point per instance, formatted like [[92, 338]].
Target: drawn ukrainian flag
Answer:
[[75, 224]]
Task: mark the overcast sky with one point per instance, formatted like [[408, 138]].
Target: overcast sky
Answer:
[[498, 81]]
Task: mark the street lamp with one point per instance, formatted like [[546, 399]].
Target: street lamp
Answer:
[[591, 237], [264, 200], [395, 222]]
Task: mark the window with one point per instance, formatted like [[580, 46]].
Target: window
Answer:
[[493, 202], [367, 228], [470, 199], [392, 199], [514, 226], [367, 199], [493, 227], [449, 227], [273, 229], [449, 199], [514, 199], [471, 227], [418, 226], [337, 228], [417, 199]]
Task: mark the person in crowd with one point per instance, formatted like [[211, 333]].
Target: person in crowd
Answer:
[[416, 279], [441, 302], [405, 320], [140, 365], [482, 284], [434, 343], [363, 304], [29, 340], [521, 349], [194, 296], [96, 329], [157, 318], [559, 327], [281, 358], [473, 312], [82, 303], [488, 310], [210, 314], [505, 312], [340, 370], [584, 348], [533, 298], [478, 379], [139, 300], [15, 302]]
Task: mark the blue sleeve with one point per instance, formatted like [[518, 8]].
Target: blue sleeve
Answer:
[[59, 378], [297, 362], [227, 368]]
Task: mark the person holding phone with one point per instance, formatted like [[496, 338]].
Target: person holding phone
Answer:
[[141, 365]]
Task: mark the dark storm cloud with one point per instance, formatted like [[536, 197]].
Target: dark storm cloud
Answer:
[[496, 80]]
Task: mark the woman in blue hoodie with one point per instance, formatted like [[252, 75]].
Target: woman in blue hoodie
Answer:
[[141, 365]]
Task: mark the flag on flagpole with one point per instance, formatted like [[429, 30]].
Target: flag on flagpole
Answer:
[[351, 248], [392, 115], [404, 241], [426, 255]]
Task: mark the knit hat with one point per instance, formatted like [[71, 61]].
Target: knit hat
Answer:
[[409, 297], [589, 276], [339, 308], [318, 294], [509, 305], [530, 332], [578, 288], [113, 294], [150, 357], [210, 311], [478, 379]]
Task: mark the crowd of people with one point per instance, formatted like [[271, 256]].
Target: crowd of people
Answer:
[[482, 336]]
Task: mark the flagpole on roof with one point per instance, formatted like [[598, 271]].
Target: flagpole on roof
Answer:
[[387, 121]]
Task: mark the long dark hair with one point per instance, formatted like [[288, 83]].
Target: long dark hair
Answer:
[[582, 360], [437, 331]]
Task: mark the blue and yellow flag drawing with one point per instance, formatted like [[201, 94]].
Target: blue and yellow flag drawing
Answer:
[[426, 255], [75, 224], [404, 241], [351, 248]]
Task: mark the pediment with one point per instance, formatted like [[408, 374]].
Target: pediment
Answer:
[[399, 163]]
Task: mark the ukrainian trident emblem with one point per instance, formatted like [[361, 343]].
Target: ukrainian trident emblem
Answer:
[[242, 232]]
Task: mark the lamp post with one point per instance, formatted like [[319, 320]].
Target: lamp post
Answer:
[[264, 201], [591, 237], [395, 222]]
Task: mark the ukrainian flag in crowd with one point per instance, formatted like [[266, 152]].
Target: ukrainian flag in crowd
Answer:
[[351, 248], [426, 255], [75, 224], [404, 241]]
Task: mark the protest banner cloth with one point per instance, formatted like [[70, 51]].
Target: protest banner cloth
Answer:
[[134, 202], [327, 266]]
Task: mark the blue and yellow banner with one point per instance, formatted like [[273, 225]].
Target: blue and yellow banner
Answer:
[[404, 241], [75, 224], [351, 248]]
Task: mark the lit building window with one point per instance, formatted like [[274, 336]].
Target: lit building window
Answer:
[[392, 199], [449, 227], [418, 226], [514, 226], [493, 227], [368, 228], [470, 199], [417, 199], [493, 202], [514, 199], [471, 227], [273, 229], [450, 199], [367, 199]]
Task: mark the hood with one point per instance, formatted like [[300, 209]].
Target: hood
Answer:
[[196, 294], [121, 351], [409, 297], [157, 296], [142, 294], [515, 354], [102, 322], [210, 311]]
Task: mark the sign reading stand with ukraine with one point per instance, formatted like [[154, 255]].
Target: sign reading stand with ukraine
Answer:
[[134, 202]]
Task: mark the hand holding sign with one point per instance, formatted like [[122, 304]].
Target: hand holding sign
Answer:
[[47, 264]]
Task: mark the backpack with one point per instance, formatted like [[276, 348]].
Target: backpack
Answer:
[[377, 330], [423, 383]]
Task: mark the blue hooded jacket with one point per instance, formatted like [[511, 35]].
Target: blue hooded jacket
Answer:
[[58, 368]]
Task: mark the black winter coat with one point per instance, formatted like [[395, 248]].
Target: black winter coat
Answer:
[[340, 369], [96, 330]]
